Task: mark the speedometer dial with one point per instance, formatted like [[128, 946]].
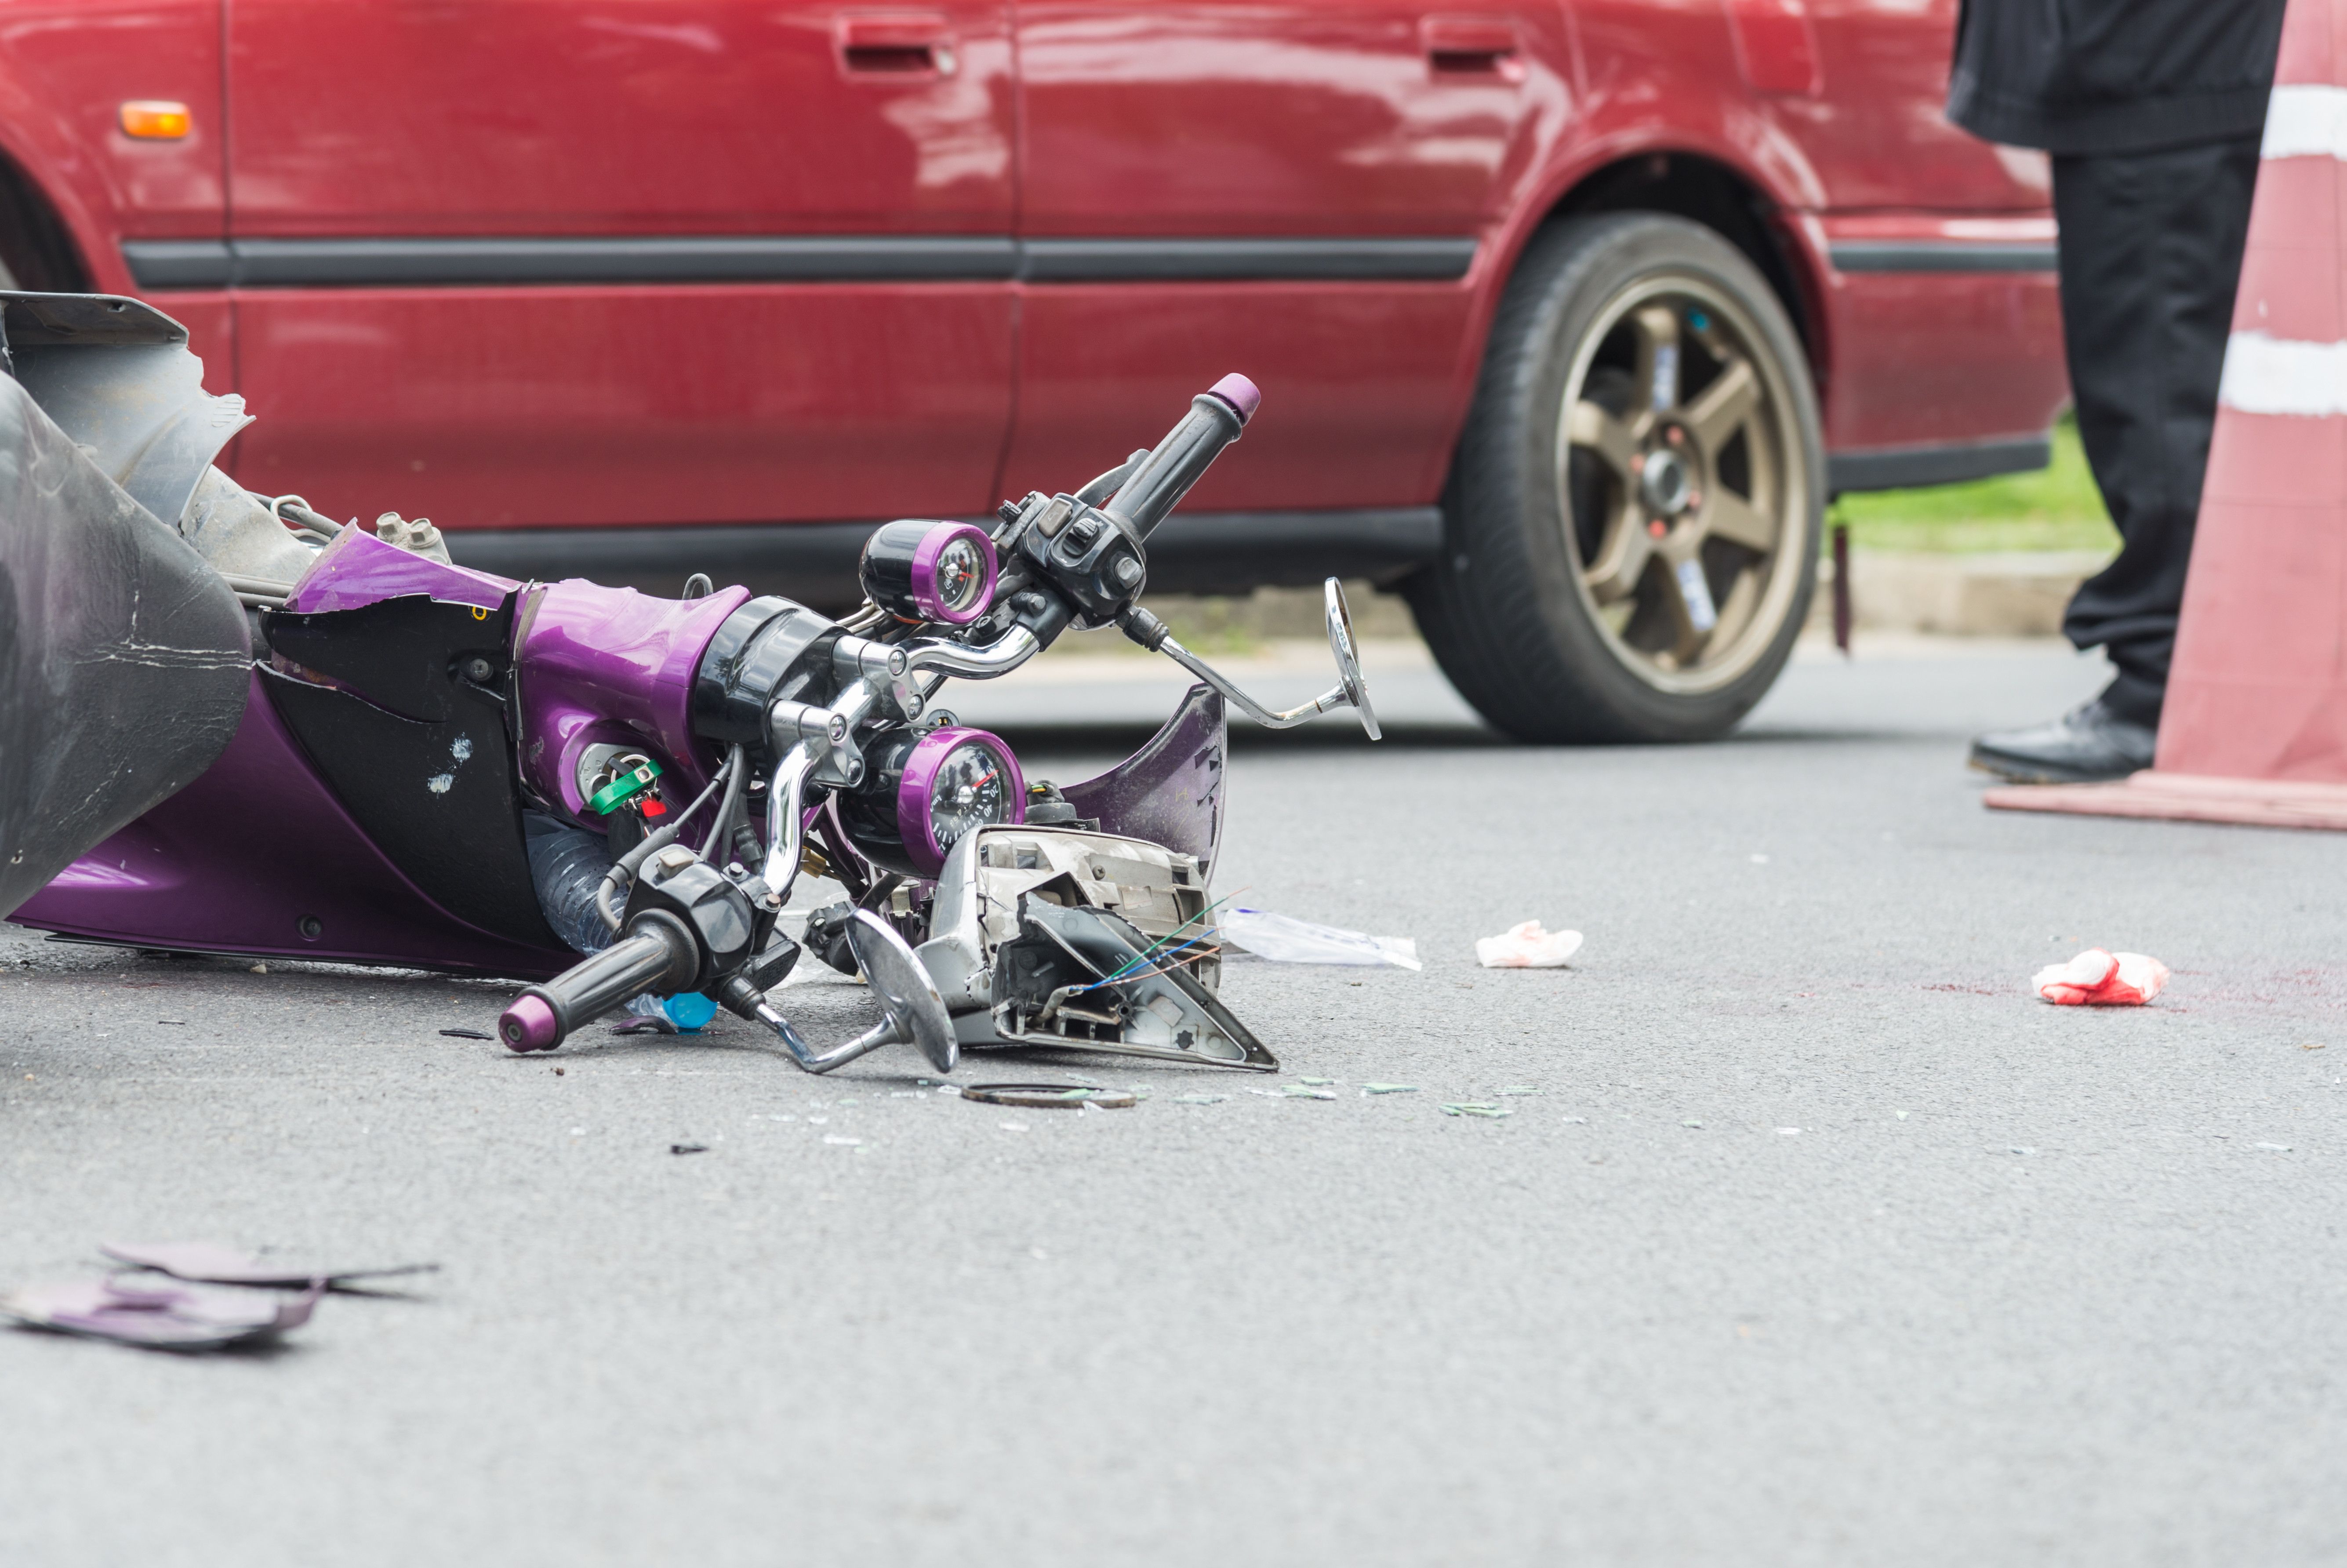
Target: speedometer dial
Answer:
[[955, 779]]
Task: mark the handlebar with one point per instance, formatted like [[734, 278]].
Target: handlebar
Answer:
[[1157, 485], [657, 954]]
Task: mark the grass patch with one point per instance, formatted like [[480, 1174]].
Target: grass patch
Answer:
[[2054, 509]]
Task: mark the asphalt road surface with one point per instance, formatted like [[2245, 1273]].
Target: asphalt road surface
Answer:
[[1811, 1238]]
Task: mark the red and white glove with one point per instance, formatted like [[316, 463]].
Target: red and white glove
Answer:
[[2097, 978]]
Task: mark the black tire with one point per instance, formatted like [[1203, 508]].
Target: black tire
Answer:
[[1550, 647]]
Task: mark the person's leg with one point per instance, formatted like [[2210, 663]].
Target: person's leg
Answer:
[[2147, 291], [2151, 255]]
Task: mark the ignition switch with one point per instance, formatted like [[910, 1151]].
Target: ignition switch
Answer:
[[626, 793]]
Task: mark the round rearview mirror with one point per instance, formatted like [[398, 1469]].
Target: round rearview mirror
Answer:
[[915, 1010], [1348, 658]]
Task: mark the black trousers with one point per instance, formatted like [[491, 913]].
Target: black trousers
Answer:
[[2151, 254]]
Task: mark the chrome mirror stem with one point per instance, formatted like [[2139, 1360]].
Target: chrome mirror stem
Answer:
[[814, 1061], [1327, 702]]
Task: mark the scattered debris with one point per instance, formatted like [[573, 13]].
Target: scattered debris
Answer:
[[1527, 945], [2277, 1148], [688, 1148], [1305, 1091], [1475, 1108], [1900, 1114], [1048, 1096], [1200, 1099], [2311, 1045], [469, 1034], [260, 969], [183, 1022], [2099, 979], [1286, 940], [209, 1263], [1519, 1089], [1789, 1132], [1690, 1122], [158, 1317], [1388, 1089], [1317, 1083], [1012, 1126]]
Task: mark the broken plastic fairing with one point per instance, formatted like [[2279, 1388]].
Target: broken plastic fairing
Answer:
[[1057, 937]]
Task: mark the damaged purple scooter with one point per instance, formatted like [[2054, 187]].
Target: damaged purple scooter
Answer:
[[432, 767]]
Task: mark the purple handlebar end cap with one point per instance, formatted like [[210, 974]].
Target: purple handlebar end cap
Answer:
[[530, 1025], [1241, 394]]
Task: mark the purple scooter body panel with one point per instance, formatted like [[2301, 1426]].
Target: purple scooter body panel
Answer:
[[1170, 792], [359, 569], [610, 664], [239, 858]]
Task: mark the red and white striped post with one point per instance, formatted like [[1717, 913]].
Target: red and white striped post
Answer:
[[2255, 726]]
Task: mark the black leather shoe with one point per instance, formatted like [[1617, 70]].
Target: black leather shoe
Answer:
[[2085, 745]]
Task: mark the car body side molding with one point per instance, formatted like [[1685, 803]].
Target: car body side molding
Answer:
[[730, 259], [1941, 256]]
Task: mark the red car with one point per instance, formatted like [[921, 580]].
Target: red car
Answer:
[[1569, 314]]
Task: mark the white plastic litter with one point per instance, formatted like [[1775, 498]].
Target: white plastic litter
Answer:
[[1286, 940], [2099, 979], [1527, 947]]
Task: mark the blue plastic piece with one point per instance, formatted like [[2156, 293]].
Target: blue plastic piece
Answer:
[[688, 1009]]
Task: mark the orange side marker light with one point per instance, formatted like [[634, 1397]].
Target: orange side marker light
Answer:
[[155, 120]]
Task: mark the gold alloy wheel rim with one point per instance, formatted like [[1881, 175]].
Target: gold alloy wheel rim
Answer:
[[1696, 482]]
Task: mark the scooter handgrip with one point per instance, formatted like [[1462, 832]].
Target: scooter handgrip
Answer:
[[657, 954], [1157, 485]]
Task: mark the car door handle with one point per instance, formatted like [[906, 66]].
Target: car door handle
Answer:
[[903, 44], [1473, 46]]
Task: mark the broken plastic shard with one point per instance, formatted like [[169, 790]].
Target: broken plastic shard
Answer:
[[1303, 1091], [1200, 1099], [158, 1317], [1475, 1108], [209, 1263], [1286, 940], [1527, 945], [1317, 1082], [1389, 1088], [466, 1034], [2277, 1148], [1048, 1096], [1690, 1122]]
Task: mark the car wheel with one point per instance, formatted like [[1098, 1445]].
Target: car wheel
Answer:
[[1630, 526]]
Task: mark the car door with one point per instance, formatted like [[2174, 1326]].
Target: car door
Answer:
[[1943, 292], [1869, 115], [531, 262], [1295, 190]]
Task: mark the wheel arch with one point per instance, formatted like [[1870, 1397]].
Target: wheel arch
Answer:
[[1707, 192], [38, 246]]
